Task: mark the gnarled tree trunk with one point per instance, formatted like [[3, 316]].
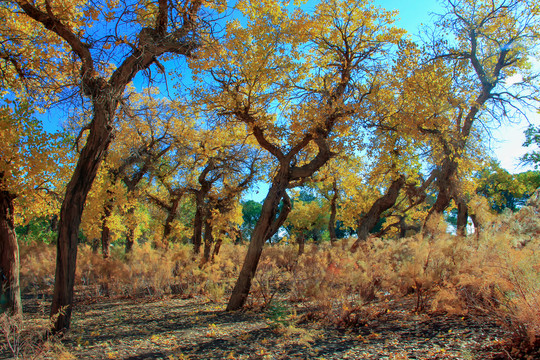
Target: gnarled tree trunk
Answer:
[[446, 187], [368, 221], [171, 215]]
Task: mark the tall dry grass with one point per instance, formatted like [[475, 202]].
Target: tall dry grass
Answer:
[[497, 273]]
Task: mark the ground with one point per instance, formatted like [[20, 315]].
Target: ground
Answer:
[[176, 328]]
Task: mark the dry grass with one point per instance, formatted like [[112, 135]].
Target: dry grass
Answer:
[[497, 273]]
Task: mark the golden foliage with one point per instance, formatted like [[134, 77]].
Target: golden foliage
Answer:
[[29, 163]]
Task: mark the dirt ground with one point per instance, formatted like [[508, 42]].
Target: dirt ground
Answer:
[[175, 328]]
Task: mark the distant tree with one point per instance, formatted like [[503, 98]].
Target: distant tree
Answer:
[[532, 138], [308, 219], [504, 190], [251, 211]]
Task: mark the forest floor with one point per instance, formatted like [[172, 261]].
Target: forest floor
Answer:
[[176, 328]]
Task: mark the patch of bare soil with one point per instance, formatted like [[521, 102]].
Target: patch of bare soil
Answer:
[[176, 328]]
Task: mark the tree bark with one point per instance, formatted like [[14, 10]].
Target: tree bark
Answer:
[[130, 240], [333, 213], [445, 185], [130, 235], [198, 223], [368, 221], [477, 227], [171, 215], [301, 243], [462, 217], [208, 241], [217, 247], [10, 292], [95, 246], [105, 240], [105, 231], [201, 211], [239, 239], [54, 222], [266, 226], [404, 227]]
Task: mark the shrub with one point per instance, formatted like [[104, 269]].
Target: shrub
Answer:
[[38, 261], [496, 272], [30, 339]]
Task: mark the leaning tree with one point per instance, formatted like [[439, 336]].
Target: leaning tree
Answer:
[[109, 43], [296, 82], [484, 64]]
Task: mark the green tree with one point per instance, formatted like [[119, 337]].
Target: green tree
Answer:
[[532, 138], [251, 212], [504, 190]]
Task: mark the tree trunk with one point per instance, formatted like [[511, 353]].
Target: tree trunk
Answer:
[[477, 227], [130, 234], [130, 239], [71, 211], [462, 217], [105, 240], [208, 241], [368, 221], [171, 215], [10, 292], [95, 246], [239, 239], [198, 224], [266, 226], [105, 231], [301, 243], [333, 212], [54, 222], [404, 228], [445, 185], [217, 247]]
